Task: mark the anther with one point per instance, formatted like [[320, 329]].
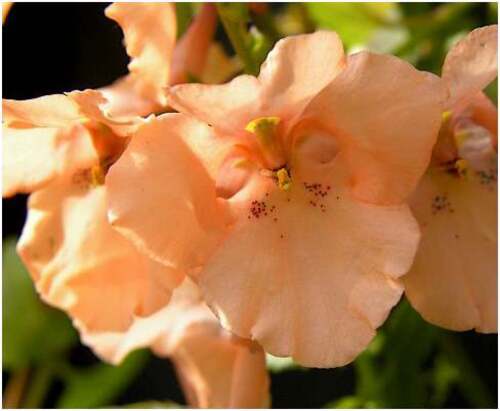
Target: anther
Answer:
[[96, 176], [284, 180]]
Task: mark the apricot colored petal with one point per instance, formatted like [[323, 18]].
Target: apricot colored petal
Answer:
[[315, 273], [471, 64], [295, 70], [62, 110], [216, 369], [484, 113], [56, 110], [250, 382], [386, 115], [219, 67], [162, 190], [228, 107], [123, 100], [149, 30], [34, 156], [191, 51], [92, 105], [164, 327], [80, 264], [219, 370], [28, 160], [54, 135], [453, 281], [298, 68]]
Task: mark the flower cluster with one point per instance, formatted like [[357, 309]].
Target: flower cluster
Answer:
[[285, 213]]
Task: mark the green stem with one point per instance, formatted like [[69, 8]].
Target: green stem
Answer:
[[265, 24], [234, 17], [37, 390], [471, 385]]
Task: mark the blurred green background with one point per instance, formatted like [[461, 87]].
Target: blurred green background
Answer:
[[51, 48]]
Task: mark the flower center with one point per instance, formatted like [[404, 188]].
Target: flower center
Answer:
[[464, 144], [89, 178], [265, 130]]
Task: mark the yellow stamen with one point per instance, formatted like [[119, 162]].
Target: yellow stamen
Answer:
[[96, 176], [284, 180], [241, 163], [462, 166], [446, 116], [264, 128], [460, 137]]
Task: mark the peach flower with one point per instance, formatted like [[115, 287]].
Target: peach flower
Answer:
[[157, 61], [216, 369], [54, 148], [453, 281], [283, 196], [60, 148]]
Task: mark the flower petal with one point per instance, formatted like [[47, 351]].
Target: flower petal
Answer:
[[216, 369], [62, 110], [149, 30], [56, 110], [295, 70], [34, 156], [162, 190], [49, 136], [80, 264], [219, 370], [164, 327], [453, 281], [228, 107], [92, 104], [219, 67], [386, 115], [298, 68], [191, 51], [123, 100], [309, 273], [471, 64], [28, 159], [481, 110]]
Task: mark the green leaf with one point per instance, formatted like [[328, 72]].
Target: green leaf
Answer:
[[493, 13], [101, 384], [234, 18], [259, 45], [184, 12], [469, 381], [445, 375], [492, 91], [358, 23], [348, 402], [294, 19], [431, 30], [391, 372], [33, 333]]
